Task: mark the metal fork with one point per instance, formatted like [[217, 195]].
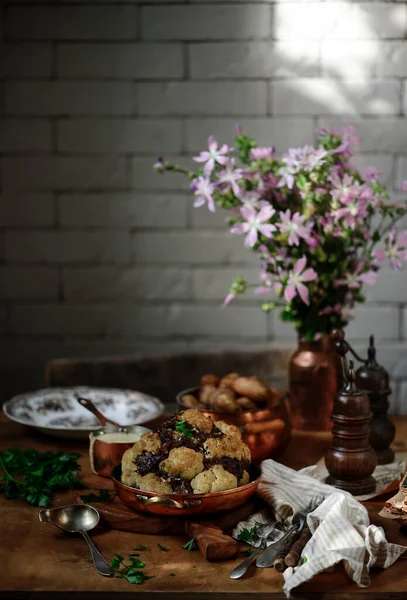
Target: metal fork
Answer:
[[299, 521], [262, 533]]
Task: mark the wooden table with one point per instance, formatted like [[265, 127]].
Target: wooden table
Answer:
[[39, 561]]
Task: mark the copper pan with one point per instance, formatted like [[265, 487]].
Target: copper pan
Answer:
[[180, 505], [266, 431]]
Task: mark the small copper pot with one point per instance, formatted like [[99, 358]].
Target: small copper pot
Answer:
[[180, 505], [104, 455], [266, 431]]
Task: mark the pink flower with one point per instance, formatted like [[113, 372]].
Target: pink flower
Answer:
[[348, 140], [354, 199], [314, 158], [229, 299], [268, 181], [396, 249], [213, 156], [203, 189], [159, 165], [229, 177], [354, 280], [249, 198], [294, 226], [287, 172], [403, 186], [262, 153], [296, 278], [255, 222], [268, 283], [331, 310], [343, 189], [372, 174], [354, 211]]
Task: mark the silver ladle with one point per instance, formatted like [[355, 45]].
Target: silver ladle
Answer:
[[78, 518]]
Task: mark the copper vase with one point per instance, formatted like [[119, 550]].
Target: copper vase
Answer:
[[315, 376]]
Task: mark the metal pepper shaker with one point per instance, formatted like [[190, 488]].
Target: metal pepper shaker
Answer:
[[374, 379]]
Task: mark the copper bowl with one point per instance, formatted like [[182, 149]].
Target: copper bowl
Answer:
[[266, 431], [105, 454], [180, 505]]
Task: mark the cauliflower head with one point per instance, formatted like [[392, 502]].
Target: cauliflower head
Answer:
[[188, 454]]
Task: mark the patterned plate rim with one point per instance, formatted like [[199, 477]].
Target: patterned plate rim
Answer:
[[159, 406]]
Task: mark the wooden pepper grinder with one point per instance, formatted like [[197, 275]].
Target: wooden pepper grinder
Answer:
[[374, 379], [351, 460]]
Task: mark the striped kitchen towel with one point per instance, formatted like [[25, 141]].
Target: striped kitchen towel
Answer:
[[340, 526]]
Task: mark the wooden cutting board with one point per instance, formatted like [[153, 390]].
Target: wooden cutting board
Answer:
[[208, 531]]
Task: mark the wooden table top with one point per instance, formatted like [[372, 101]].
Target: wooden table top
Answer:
[[39, 561]]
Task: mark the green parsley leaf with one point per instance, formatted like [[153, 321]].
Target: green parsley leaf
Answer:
[[303, 560], [35, 476], [246, 535], [136, 563], [172, 574], [189, 545], [135, 578], [116, 561], [141, 547], [163, 548], [131, 571], [185, 428]]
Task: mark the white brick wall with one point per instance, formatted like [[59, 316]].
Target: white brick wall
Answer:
[[100, 255]]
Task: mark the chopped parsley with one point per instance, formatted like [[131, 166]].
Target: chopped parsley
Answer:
[[129, 571], [185, 428], [163, 548], [246, 535], [189, 545], [35, 476], [172, 574], [140, 547]]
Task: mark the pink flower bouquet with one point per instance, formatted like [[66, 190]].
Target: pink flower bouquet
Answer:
[[312, 217]]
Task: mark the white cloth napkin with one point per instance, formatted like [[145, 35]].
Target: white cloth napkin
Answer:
[[340, 526]]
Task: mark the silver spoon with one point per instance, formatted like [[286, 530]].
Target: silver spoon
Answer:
[[78, 518]]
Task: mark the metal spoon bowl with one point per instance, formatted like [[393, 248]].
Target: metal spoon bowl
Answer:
[[78, 518]]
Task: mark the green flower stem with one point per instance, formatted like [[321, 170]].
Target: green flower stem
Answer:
[[178, 169]]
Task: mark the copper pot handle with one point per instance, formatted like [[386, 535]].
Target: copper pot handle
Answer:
[[261, 426], [164, 501]]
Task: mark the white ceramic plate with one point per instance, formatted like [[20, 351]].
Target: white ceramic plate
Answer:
[[57, 412]]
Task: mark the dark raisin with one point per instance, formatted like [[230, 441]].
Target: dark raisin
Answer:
[[146, 462]]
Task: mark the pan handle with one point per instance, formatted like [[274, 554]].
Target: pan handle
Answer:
[[164, 501], [261, 426]]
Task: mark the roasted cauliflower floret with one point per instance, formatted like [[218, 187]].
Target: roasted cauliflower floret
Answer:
[[216, 479], [130, 477], [150, 441], [232, 432], [149, 483], [245, 478], [227, 446], [152, 483], [198, 420], [183, 462]]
